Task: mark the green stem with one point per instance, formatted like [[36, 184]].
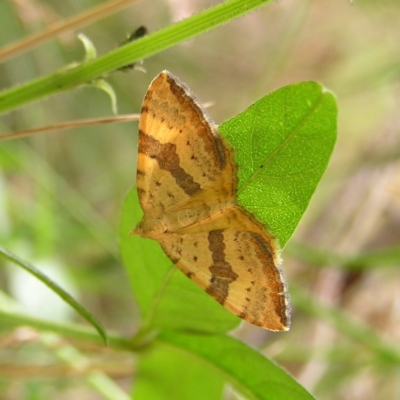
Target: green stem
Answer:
[[72, 77], [56, 289], [71, 331]]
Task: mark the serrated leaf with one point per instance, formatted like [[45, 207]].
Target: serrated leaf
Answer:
[[282, 146], [166, 298]]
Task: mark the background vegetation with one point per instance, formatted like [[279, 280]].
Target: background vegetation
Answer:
[[61, 193]]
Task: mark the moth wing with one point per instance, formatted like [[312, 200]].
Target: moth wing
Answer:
[[238, 267], [181, 156]]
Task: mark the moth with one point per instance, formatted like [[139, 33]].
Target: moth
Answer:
[[187, 186]]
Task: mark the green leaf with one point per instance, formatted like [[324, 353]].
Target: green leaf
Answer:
[[57, 290], [282, 146], [166, 298], [166, 373], [255, 376]]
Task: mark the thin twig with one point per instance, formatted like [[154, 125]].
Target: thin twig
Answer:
[[69, 125], [77, 21]]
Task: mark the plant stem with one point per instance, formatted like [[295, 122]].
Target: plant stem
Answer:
[[72, 331], [77, 75], [56, 289], [82, 19]]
